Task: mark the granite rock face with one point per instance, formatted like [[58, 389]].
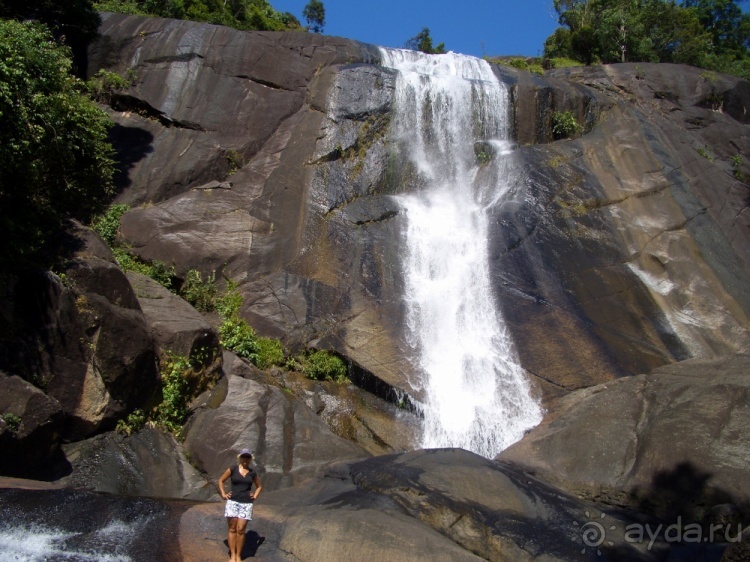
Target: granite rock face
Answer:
[[626, 249], [272, 163], [289, 441], [671, 442], [82, 338]]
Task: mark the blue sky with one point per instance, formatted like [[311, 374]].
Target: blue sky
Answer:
[[472, 27]]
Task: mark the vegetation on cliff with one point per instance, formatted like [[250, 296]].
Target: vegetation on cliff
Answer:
[[55, 160], [240, 14], [712, 34]]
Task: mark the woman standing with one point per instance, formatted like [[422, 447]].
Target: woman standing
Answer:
[[239, 508]]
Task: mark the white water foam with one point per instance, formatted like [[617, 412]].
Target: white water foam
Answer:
[[38, 543], [476, 394]]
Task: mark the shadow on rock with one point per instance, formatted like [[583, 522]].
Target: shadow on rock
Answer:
[[132, 145]]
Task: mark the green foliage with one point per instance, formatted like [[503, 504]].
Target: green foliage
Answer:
[[55, 160], [240, 14], [712, 34], [76, 22], [156, 270], [201, 294], [102, 85], [737, 168], [315, 14], [561, 62], [520, 64], [230, 302], [321, 365], [270, 353], [483, 153], [422, 41], [237, 335], [12, 421], [706, 152], [175, 388], [235, 160], [134, 422], [107, 225], [564, 124]]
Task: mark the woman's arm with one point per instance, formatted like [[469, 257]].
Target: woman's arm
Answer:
[[223, 479], [258, 488]]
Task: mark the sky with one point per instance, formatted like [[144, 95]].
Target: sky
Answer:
[[471, 27]]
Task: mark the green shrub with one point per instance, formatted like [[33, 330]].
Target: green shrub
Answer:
[[230, 302], [561, 62], [134, 422], [156, 270], [104, 83], [175, 389], [237, 335], [323, 365], [201, 294], [270, 353], [12, 421], [520, 64], [108, 224], [55, 158], [706, 152], [235, 161], [564, 124]]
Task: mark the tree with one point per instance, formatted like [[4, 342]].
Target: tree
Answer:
[[422, 41], [73, 22], [315, 14], [239, 14], [712, 34], [724, 20], [55, 161]]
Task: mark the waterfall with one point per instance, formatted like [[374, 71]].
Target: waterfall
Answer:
[[451, 119]]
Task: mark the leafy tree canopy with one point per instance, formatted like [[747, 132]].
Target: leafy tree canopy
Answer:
[[422, 41], [315, 14], [55, 161], [713, 34], [240, 14]]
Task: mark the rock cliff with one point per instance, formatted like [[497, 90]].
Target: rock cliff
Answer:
[[617, 252]]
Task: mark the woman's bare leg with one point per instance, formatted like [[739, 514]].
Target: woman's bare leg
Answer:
[[239, 540], [231, 535]]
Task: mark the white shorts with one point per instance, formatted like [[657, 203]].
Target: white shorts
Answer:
[[239, 510]]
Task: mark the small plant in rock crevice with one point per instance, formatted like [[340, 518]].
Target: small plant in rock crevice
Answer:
[[200, 293], [565, 125], [320, 365], [706, 152], [12, 421]]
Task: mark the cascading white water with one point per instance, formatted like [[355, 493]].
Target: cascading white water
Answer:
[[476, 394]]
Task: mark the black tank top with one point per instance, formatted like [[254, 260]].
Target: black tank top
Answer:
[[242, 485]]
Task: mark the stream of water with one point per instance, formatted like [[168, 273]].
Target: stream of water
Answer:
[[452, 121]]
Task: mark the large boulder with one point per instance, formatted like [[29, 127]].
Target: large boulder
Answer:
[[30, 424], [82, 338], [672, 442], [148, 463], [290, 442], [179, 329]]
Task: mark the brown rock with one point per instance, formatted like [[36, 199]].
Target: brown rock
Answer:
[[671, 442]]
